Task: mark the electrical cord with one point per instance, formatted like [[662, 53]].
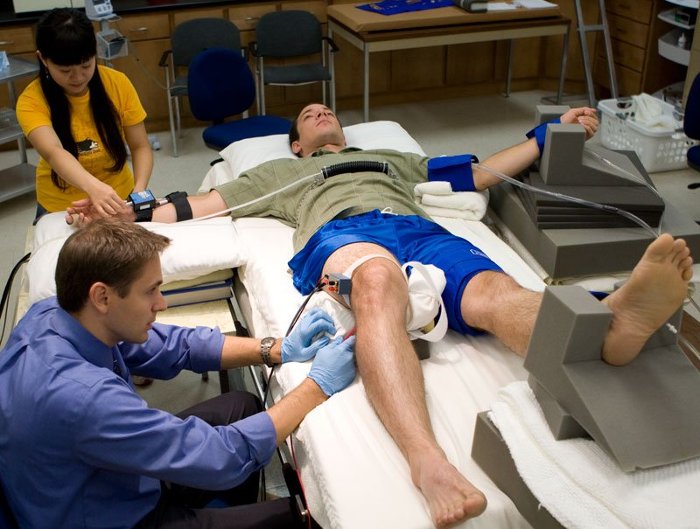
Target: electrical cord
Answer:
[[320, 177], [562, 196], [4, 310]]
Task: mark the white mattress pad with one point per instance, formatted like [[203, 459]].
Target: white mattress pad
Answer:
[[353, 473]]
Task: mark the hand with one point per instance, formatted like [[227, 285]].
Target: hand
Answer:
[[82, 212], [334, 366], [104, 199], [301, 344], [585, 116]]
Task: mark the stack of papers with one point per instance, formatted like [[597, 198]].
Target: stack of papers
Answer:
[[519, 4]]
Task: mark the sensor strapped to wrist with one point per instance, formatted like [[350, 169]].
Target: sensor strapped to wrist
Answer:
[[143, 203]]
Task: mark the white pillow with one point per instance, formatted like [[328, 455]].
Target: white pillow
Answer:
[[196, 249], [246, 154]]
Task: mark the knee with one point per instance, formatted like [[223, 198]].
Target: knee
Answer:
[[377, 283], [486, 291]]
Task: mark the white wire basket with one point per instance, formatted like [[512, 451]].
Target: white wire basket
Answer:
[[658, 149]]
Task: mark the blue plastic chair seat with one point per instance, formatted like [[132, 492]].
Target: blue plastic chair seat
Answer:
[[297, 74], [220, 136]]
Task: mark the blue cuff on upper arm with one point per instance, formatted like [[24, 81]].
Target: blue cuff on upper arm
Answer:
[[457, 170], [540, 133]]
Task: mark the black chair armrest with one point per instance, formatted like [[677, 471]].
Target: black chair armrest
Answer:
[[163, 62], [332, 44]]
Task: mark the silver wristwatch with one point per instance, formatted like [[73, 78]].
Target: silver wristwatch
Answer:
[[265, 348]]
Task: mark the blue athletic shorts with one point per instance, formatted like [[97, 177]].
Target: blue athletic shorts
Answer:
[[408, 238]]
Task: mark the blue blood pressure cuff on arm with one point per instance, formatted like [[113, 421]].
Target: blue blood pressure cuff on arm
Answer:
[[457, 170], [540, 133]]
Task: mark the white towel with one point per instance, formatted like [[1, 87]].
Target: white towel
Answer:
[[438, 200], [649, 112], [581, 485], [432, 188]]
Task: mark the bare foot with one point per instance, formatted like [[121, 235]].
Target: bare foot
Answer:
[[450, 496], [654, 291]]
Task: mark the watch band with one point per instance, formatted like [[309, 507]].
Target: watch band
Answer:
[[144, 215], [266, 345]]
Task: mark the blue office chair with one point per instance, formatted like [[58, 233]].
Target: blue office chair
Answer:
[[221, 85], [691, 122], [188, 39]]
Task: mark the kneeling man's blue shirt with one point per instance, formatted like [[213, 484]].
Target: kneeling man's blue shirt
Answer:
[[80, 448]]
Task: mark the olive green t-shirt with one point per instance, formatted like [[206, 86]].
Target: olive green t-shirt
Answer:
[[310, 205]]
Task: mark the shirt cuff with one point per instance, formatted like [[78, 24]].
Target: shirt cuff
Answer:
[[260, 435], [540, 133]]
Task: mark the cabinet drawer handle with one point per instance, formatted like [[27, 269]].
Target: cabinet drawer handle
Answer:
[[142, 29], [6, 42], [250, 19]]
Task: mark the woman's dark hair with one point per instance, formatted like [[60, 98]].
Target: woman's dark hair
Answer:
[[66, 37]]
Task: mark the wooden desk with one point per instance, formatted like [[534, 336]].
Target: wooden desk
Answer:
[[371, 32]]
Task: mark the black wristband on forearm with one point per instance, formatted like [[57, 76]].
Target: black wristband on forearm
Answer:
[[144, 215], [183, 210]]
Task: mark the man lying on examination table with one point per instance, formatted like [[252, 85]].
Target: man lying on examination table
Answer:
[[80, 448]]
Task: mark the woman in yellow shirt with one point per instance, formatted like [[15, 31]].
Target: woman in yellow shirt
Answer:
[[80, 117]]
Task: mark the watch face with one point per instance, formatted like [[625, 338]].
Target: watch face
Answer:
[[267, 342]]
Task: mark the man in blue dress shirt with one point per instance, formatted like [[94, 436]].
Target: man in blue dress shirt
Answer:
[[80, 448]]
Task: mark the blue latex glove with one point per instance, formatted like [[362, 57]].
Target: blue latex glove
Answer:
[[334, 366], [308, 336]]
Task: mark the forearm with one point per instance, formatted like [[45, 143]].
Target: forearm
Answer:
[[288, 413], [202, 205], [510, 161], [240, 352], [143, 166], [68, 168]]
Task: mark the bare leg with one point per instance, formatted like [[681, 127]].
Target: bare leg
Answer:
[[657, 286], [654, 291], [495, 303], [394, 382]]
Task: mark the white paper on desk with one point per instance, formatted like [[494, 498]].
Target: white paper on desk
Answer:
[[501, 6], [534, 4]]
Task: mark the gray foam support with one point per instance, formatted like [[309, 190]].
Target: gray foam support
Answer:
[[643, 414]]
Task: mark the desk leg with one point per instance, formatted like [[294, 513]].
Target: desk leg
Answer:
[[562, 68], [12, 96], [365, 50], [509, 74]]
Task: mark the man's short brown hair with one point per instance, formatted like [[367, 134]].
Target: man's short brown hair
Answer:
[[108, 251]]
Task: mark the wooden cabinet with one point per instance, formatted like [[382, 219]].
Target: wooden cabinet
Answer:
[[148, 36], [17, 41], [634, 31], [396, 76]]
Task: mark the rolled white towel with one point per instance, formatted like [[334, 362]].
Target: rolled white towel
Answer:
[[432, 188], [468, 205]]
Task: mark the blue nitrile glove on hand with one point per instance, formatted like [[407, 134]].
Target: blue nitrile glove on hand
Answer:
[[302, 343], [334, 366]]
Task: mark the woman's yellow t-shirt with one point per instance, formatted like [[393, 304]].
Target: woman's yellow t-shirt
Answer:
[[33, 112]]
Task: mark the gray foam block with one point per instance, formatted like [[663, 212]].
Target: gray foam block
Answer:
[[544, 113], [491, 453], [644, 414]]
